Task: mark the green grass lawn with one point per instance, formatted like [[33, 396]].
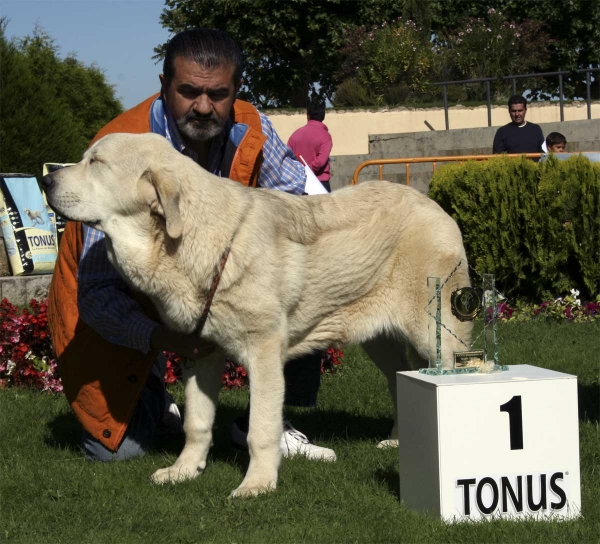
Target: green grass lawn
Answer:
[[50, 494]]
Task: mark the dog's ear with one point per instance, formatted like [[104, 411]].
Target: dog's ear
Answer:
[[167, 186]]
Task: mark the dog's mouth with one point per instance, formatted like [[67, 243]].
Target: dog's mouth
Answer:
[[94, 223], [67, 206]]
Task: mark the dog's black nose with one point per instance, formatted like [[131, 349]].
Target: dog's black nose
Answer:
[[47, 182]]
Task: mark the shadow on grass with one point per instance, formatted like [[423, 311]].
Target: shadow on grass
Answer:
[[391, 479], [335, 424], [65, 433], [222, 449], [65, 430], [589, 402]]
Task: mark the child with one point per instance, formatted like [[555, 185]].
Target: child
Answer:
[[556, 142]]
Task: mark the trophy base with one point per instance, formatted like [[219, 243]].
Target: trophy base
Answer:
[[483, 369]]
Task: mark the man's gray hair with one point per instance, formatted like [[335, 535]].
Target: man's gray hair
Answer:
[[208, 47]]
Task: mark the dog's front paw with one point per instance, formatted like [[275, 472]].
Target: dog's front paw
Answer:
[[251, 490], [176, 473]]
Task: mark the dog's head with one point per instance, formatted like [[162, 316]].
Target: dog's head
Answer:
[[123, 183]]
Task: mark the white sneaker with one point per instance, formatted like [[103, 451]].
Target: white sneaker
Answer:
[[385, 444], [293, 442]]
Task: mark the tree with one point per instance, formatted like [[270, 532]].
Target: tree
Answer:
[[50, 108], [574, 26], [386, 65], [293, 48], [492, 47], [290, 47], [82, 89], [420, 13], [34, 127]]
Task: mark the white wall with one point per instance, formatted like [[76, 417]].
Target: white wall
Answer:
[[350, 129]]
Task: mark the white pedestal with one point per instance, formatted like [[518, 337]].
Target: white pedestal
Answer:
[[480, 445]]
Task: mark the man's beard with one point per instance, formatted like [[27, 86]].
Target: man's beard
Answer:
[[200, 128]]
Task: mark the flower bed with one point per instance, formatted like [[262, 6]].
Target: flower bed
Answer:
[[26, 354], [569, 308], [27, 357]]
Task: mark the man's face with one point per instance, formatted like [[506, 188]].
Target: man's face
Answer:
[[557, 148], [200, 98], [517, 113]]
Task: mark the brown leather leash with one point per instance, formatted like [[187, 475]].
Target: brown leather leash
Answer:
[[213, 290]]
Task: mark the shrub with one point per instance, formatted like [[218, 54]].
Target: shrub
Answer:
[[535, 226], [395, 55], [572, 190], [492, 47], [352, 93], [385, 65]]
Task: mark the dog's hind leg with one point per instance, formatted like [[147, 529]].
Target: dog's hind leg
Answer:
[[202, 384], [265, 372], [391, 355]]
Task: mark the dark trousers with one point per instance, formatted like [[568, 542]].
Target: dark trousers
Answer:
[[302, 380]]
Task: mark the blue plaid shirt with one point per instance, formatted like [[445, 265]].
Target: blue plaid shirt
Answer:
[[103, 297]]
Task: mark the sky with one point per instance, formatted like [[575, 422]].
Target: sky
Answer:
[[118, 35]]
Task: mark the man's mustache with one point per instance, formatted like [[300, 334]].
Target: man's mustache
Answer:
[[196, 117], [200, 127]]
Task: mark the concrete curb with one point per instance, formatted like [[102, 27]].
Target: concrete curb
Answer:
[[19, 290]]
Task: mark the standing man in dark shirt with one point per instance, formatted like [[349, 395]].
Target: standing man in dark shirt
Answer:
[[519, 136]]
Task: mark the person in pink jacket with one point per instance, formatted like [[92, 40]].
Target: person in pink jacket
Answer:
[[313, 143]]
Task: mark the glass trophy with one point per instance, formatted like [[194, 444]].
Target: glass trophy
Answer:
[[478, 304]]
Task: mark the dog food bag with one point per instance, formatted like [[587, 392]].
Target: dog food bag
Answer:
[[61, 222], [28, 229]]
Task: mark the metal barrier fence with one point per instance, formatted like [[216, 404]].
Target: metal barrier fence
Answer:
[[434, 160], [513, 79]]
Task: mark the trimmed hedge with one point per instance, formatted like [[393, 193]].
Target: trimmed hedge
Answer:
[[535, 226]]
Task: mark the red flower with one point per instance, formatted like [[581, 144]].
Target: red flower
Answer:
[[173, 373], [331, 360], [26, 353], [27, 356]]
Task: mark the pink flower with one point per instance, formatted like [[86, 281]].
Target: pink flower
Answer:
[[591, 308]]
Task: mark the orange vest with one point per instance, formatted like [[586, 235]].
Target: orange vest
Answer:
[[102, 380]]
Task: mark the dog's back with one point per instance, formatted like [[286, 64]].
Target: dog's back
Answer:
[[368, 251]]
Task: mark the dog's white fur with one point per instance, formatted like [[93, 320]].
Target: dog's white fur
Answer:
[[304, 273]]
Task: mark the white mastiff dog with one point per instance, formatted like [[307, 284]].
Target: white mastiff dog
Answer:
[[303, 274]]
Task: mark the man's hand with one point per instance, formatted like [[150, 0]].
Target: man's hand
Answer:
[[190, 346]]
